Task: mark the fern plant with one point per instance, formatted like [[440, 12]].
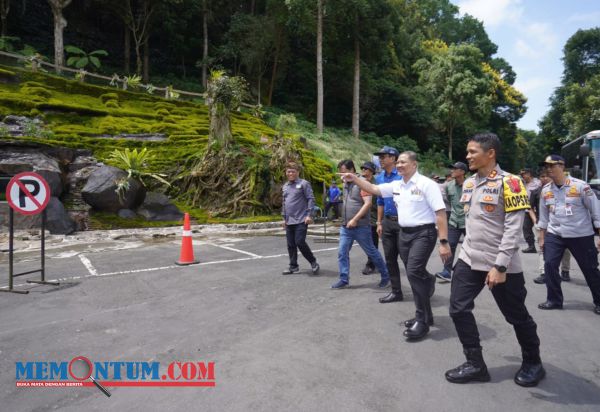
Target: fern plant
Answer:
[[135, 164]]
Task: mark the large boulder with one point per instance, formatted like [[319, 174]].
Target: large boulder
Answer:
[[58, 220], [15, 160], [157, 207], [100, 190]]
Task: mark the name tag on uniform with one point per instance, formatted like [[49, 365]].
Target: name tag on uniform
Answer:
[[298, 186], [568, 210]]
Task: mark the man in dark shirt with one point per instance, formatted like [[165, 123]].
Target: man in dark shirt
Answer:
[[298, 205], [356, 227], [368, 172]]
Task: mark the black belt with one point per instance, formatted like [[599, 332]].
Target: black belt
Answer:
[[415, 229], [392, 217]]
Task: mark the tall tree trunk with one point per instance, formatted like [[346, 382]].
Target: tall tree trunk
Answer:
[[4, 9], [205, 41], [356, 89], [450, 131], [60, 23], [259, 84], [275, 61], [146, 76], [138, 58], [320, 66], [127, 49]]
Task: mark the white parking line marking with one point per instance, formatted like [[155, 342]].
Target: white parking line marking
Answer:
[[235, 250], [94, 273], [88, 265]]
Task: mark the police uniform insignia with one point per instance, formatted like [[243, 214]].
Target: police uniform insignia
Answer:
[[492, 184], [469, 184], [487, 198], [515, 195], [492, 174], [573, 192], [588, 190], [489, 208], [548, 195]]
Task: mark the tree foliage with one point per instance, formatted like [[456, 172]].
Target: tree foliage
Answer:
[[367, 77]]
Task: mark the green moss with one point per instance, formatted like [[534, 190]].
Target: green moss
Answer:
[[6, 73], [113, 104], [107, 221], [77, 113], [36, 91]]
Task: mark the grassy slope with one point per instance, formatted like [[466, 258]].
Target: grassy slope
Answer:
[[76, 113]]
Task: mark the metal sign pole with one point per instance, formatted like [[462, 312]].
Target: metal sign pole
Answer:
[[43, 247], [11, 233]]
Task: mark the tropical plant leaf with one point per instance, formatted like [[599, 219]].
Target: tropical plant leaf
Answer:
[[98, 53], [94, 60], [72, 60], [74, 50], [82, 62]]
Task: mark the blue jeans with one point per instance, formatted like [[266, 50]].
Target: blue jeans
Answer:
[[362, 235]]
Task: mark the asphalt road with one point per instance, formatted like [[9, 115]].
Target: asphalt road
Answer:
[[279, 343]]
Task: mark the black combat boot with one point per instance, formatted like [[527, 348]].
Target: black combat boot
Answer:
[[474, 369], [531, 371]]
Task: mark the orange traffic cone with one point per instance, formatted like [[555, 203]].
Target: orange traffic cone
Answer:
[[187, 251]]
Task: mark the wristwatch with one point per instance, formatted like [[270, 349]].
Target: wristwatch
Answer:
[[501, 269], [443, 241]]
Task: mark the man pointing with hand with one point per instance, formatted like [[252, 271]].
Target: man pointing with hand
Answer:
[[420, 207]]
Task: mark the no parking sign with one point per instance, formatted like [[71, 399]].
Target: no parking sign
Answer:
[[28, 193]]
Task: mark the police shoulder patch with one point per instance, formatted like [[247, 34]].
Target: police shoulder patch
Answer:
[[514, 193]]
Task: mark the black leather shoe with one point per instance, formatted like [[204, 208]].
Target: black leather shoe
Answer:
[[530, 249], [540, 280], [597, 310], [550, 305], [417, 331], [530, 374], [368, 270], [474, 369], [565, 276], [392, 297], [410, 322]]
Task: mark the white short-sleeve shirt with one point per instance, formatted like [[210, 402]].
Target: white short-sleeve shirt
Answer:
[[416, 200]]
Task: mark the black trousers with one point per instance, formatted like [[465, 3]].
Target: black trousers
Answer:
[[510, 298], [415, 250], [390, 238], [336, 209], [528, 231], [375, 238], [585, 253], [296, 239], [454, 234]]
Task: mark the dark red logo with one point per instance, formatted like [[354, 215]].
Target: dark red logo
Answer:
[[514, 184]]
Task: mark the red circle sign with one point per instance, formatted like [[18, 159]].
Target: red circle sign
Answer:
[[28, 193]]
